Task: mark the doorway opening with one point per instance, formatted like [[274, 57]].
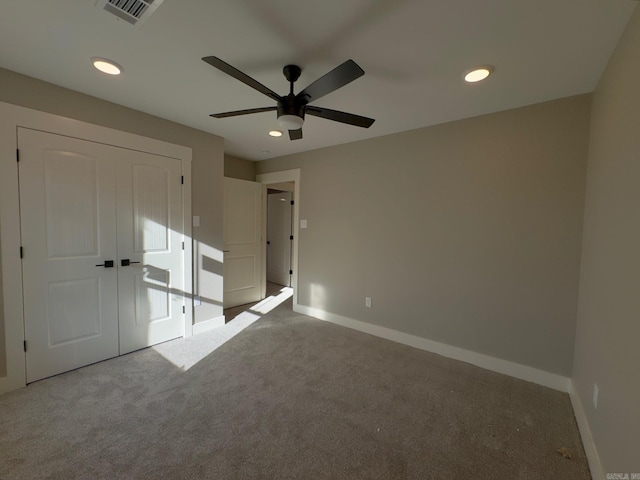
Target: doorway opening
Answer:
[[279, 237], [279, 272]]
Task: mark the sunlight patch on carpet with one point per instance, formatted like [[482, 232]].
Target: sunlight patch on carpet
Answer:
[[185, 353], [269, 303]]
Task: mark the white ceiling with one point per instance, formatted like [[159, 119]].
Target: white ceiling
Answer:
[[414, 53]]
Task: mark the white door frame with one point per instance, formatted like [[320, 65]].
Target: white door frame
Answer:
[[12, 117], [283, 176]]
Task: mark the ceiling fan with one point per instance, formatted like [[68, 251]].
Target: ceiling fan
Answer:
[[292, 108]]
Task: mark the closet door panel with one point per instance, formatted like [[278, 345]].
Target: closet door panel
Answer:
[[150, 280], [68, 223]]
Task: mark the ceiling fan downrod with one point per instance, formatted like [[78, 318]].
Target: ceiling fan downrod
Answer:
[[292, 74]]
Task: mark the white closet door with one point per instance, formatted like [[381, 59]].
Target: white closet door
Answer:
[[150, 287], [68, 218], [89, 213]]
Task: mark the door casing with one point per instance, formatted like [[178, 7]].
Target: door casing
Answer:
[[284, 176]]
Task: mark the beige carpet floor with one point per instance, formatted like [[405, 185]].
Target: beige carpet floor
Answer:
[[288, 397]]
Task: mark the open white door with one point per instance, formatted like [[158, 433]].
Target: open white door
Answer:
[[68, 217], [242, 242]]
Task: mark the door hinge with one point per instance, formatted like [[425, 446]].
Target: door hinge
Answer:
[[21, 253], [183, 245], [290, 237], [184, 309], [290, 272], [291, 202], [17, 155], [24, 344], [182, 179]]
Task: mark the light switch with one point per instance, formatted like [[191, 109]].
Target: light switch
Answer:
[[196, 220], [303, 224]]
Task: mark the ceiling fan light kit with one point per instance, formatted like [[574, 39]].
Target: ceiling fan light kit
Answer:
[[291, 108], [290, 122]]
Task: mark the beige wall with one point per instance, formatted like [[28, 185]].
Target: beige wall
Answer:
[[239, 168], [467, 233], [608, 331], [207, 164]]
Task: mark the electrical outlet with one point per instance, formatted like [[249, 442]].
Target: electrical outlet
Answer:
[[596, 392], [367, 302]]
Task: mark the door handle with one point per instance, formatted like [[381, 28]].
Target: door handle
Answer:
[[125, 262], [106, 264]]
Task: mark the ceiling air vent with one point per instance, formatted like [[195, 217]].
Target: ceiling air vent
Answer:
[[131, 11]]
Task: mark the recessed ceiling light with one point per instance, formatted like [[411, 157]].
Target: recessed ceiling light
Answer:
[[478, 73], [275, 133], [106, 66]]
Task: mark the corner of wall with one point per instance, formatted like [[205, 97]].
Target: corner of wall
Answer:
[[239, 168], [597, 472]]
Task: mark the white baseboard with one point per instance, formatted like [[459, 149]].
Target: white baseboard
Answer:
[[207, 325], [8, 384], [523, 372], [597, 472]]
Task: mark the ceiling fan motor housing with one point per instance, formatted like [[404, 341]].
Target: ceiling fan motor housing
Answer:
[[290, 112], [289, 106]]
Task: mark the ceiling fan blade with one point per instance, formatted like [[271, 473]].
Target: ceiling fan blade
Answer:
[[243, 77], [336, 78], [295, 134], [243, 112], [337, 116]]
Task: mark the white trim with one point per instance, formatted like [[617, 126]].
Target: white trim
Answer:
[[12, 117], [595, 465], [523, 372], [264, 198], [11, 263], [210, 324], [284, 176], [189, 300]]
